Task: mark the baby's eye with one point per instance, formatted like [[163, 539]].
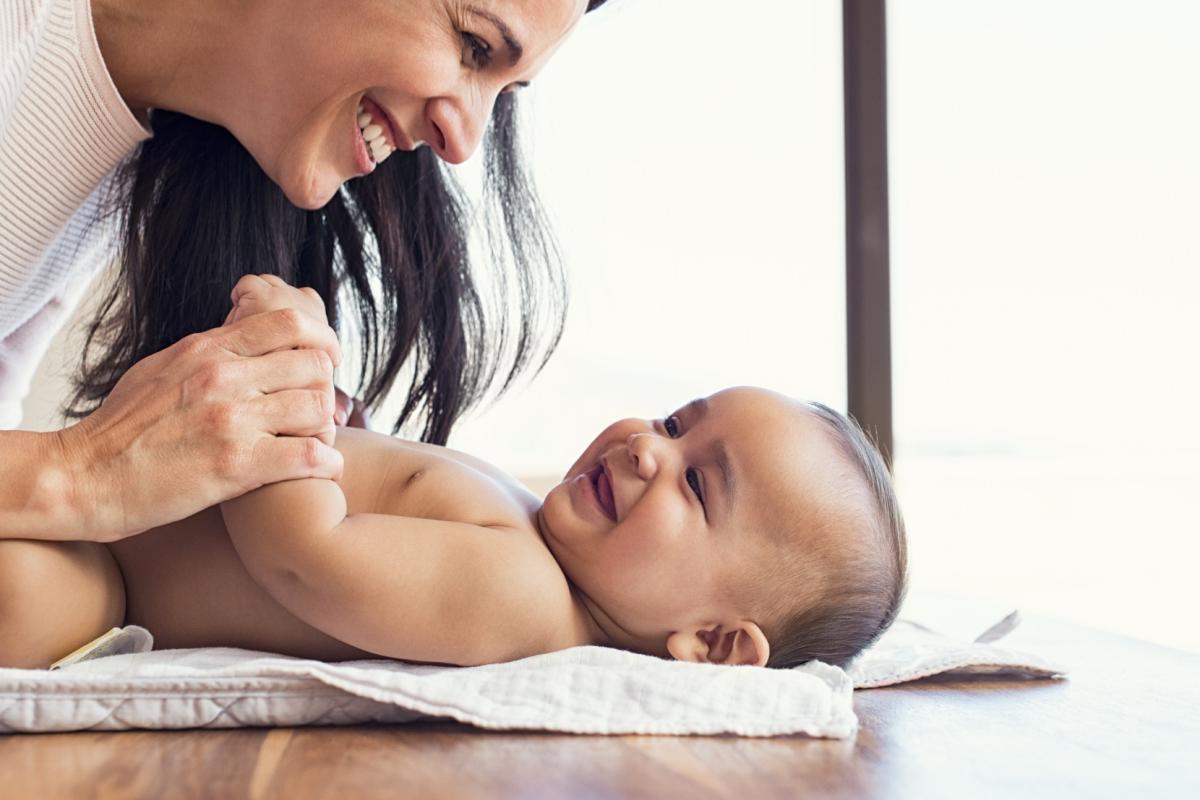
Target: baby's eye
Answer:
[[476, 51], [671, 426], [693, 480]]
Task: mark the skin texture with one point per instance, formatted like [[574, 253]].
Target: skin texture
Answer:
[[286, 76]]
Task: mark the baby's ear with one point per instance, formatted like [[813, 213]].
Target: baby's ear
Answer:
[[743, 643]]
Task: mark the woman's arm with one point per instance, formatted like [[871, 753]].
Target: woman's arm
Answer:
[[36, 495], [400, 587]]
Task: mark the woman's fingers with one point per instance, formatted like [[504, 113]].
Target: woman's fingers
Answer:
[[281, 458], [286, 369], [288, 381], [282, 329], [294, 412]]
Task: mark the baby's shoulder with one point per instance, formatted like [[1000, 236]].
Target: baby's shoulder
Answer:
[[446, 485], [387, 475]]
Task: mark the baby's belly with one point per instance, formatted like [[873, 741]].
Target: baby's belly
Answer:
[[185, 583]]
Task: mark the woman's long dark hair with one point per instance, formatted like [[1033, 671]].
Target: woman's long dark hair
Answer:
[[196, 213]]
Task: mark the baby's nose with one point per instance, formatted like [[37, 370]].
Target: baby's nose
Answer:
[[640, 447]]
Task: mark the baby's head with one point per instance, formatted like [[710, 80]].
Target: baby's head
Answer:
[[745, 528]]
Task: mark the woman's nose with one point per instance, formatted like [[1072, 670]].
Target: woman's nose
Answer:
[[458, 124]]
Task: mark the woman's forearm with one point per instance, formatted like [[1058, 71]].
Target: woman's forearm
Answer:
[[39, 496]]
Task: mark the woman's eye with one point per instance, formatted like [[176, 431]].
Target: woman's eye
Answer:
[[693, 480], [476, 50], [671, 426]]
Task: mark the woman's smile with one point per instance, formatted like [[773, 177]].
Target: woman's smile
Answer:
[[363, 161]]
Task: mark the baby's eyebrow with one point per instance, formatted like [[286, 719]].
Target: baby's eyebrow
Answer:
[[696, 408], [725, 465]]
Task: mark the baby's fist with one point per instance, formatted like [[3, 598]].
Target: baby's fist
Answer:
[[254, 294]]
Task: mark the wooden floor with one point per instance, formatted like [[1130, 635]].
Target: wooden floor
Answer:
[[1125, 725]]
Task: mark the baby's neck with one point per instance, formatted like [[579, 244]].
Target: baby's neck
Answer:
[[591, 621], [592, 624]]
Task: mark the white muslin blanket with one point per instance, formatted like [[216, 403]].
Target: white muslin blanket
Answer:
[[582, 690]]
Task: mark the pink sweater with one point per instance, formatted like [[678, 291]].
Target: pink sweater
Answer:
[[63, 129]]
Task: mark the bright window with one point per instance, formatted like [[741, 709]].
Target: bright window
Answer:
[[1045, 193], [691, 156]]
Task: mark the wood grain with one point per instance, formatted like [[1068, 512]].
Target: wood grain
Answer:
[[1124, 725]]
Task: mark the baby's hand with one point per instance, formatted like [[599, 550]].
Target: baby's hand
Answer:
[[254, 294]]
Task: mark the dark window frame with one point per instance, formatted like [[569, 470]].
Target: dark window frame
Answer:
[[868, 304]]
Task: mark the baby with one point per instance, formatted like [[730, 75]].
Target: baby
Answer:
[[745, 528]]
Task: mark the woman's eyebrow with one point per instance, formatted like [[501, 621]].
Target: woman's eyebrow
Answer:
[[515, 50]]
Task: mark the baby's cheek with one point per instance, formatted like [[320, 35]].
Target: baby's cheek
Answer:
[[651, 537]]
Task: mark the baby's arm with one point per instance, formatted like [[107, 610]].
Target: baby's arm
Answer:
[[401, 587]]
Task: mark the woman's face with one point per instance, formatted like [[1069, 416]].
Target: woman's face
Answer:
[[431, 68]]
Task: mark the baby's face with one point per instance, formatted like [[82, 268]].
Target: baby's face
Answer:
[[668, 523]]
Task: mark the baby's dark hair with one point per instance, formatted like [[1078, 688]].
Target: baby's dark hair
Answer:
[[861, 593]]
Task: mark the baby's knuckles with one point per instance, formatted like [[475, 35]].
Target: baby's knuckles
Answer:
[[254, 295]]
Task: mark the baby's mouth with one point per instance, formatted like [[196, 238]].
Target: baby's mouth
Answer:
[[603, 487]]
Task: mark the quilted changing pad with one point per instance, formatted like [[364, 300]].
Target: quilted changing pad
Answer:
[[582, 690]]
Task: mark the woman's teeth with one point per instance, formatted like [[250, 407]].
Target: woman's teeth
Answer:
[[372, 133]]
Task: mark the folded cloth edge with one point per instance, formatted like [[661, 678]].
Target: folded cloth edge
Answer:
[[657, 699]]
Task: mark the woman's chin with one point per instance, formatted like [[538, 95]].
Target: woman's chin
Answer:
[[310, 188]]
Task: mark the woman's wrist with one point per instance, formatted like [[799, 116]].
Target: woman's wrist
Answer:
[[39, 492]]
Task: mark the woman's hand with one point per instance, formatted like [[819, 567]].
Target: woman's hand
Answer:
[[254, 294], [215, 415], [257, 294]]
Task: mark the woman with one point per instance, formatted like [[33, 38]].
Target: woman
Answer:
[[302, 138]]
